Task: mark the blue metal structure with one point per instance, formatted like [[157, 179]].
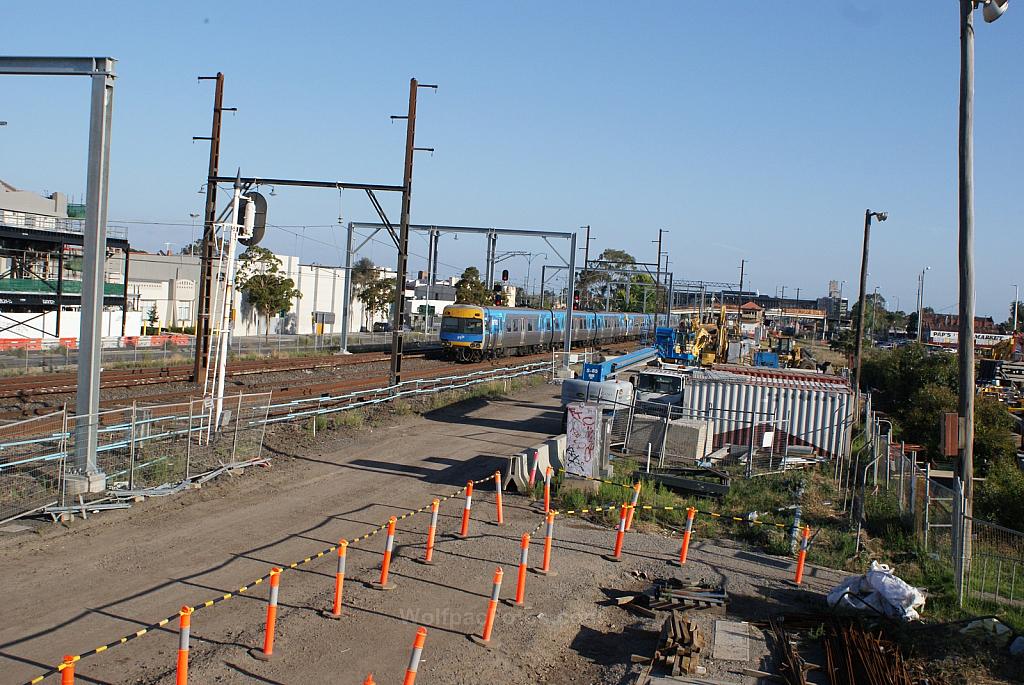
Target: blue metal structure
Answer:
[[600, 371]]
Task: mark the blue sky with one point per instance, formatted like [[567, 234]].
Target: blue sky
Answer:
[[750, 130]]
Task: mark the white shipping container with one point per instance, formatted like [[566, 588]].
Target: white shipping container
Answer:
[[809, 411]]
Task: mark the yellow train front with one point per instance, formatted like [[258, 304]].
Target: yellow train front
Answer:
[[462, 332]]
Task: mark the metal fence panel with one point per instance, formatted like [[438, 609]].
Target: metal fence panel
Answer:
[[32, 454]]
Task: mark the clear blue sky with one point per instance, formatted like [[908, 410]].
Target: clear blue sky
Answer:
[[749, 129]]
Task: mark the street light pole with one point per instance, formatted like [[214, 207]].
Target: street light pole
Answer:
[[920, 303], [868, 215], [1016, 299]]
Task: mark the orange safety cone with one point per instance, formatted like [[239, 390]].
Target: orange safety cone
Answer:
[[497, 498], [545, 567], [268, 637], [369, 680], [801, 556], [414, 659], [524, 554], [428, 556], [620, 533], [184, 631], [464, 530], [385, 566], [339, 582], [67, 670], [690, 513], [492, 607], [633, 506]]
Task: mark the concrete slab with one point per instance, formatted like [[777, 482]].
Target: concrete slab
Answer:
[[732, 641]]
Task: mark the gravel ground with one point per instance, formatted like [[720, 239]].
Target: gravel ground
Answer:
[[70, 588]]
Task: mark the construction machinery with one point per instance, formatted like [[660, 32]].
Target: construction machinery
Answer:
[[790, 353]]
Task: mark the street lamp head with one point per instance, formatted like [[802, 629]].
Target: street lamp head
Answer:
[[882, 216], [994, 9]]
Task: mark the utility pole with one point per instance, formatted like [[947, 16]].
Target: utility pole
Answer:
[[868, 215], [743, 263], [203, 313], [657, 278], [586, 247], [1016, 299], [920, 303], [397, 334], [965, 335]]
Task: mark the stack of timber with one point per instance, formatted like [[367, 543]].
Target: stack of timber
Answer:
[[678, 652]]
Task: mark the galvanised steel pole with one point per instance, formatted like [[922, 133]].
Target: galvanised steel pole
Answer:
[[569, 302]]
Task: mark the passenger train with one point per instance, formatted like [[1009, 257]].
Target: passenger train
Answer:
[[473, 333]]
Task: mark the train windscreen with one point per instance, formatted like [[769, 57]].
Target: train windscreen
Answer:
[[454, 324]]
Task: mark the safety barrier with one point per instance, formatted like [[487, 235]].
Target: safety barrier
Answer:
[[184, 616]]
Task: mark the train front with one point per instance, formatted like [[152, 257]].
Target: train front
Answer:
[[462, 332]]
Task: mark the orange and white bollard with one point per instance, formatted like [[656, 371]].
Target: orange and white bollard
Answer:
[[524, 554], [369, 680], [536, 465], [385, 565], [620, 534], [339, 582], [428, 556], [547, 489], [464, 530], [268, 638], [801, 556], [492, 608], [545, 567], [184, 631], [633, 506], [414, 659], [685, 547], [67, 670], [497, 498]]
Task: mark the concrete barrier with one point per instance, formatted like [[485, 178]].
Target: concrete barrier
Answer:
[[551, 453]]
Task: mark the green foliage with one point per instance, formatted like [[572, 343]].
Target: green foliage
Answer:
[[378, 296], [364, 272], [1000, 497], [469, 289], [894, 376], [264, 287], [152, 317], [919, 419]]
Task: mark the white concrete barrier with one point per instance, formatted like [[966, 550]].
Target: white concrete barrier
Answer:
[[551, 453]]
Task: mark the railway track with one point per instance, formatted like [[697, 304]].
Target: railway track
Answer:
[[28, 387]]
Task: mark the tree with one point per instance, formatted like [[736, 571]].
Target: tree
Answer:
[[378, 296], [469, 289], [1000, 497], [152, 317], [1019, 318], [266, 290]]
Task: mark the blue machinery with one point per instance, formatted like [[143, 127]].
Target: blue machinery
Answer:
[[602, 370]]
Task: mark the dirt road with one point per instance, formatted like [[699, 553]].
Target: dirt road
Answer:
[[70, 589]]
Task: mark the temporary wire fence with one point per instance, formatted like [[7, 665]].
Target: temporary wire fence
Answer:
[[155, 448]]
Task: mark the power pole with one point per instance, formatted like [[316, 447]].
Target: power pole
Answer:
[[397, 334], [586, 247], [203, 314], [965, 342], [868, 215], [742, 264], [657, 278]]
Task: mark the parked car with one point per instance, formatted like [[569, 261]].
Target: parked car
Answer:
[[382, 327]]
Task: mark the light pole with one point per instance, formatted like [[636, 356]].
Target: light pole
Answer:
[[874, 306], [868, 215], [920, 303], [965, 343], [1016, 299]]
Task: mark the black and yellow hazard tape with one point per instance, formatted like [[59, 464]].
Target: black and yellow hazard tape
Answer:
[[242, 590], [614, 508]]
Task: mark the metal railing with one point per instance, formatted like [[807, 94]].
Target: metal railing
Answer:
[[147, 447], [42, 222]]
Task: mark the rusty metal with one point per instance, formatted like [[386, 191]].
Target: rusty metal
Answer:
[[857, 656]]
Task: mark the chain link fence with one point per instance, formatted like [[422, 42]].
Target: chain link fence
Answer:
[[32, 456]]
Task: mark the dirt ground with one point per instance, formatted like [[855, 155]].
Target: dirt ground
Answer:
[[69, 588]]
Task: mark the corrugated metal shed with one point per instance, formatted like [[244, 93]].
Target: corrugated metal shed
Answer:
[[802, 410]]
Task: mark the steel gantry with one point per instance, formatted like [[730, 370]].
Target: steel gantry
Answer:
[[101, 72]]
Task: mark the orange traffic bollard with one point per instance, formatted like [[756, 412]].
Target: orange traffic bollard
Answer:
[[547, 489], [685, 547], [633, 506], [428, 556], [385, 566], [545, 567], [524, 553], [414, 659], [620, 533], [369, 680], [492, 608], [464, 530], [536, 465], [268, 638], [184, 630], [67, 670], [497, 497], [801, 556], [339, 582]]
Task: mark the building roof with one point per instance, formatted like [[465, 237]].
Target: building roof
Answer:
[[751, 306]]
